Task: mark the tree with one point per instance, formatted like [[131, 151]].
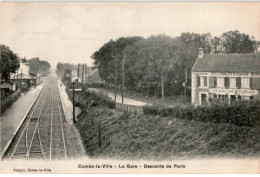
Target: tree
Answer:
[[105, 57], [64, 67], [236, 42], [151, 59], [162, 53], [9, 63], [38, 66]]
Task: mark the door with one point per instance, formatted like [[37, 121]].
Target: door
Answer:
[[232, 98], [203, 98]]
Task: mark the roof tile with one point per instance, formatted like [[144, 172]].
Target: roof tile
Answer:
[[228, 63]]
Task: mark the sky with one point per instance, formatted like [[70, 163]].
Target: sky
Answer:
[[70, 32]]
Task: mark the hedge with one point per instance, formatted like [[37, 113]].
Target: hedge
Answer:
[[87, 96], [244, 113], [7, 102]]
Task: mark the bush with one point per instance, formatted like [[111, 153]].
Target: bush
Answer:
[[7, 102], [242, 113], [89, 98]]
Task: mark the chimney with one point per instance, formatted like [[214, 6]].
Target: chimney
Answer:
[[201, 53]]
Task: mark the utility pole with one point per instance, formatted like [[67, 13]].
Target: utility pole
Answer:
[[89, 70], [123, 78], [186, 80], [115, 77], [78, 74], [21, 79], [36, 73], [73, 99], [16, 86], [83, 73], [86, 73]]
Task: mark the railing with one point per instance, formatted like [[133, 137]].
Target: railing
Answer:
[[129, 108]]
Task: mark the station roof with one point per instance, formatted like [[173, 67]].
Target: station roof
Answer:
[[24, 76]]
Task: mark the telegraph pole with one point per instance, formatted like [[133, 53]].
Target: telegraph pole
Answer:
[[123, 79], [86, 73], [21, 79], [83, 73], [78, 74], [73, 99], [115, 77], [186, 80], [16, 86], [89, 70], [36, 73]]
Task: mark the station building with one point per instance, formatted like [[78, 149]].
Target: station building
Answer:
[[225, 77], [23, 79]]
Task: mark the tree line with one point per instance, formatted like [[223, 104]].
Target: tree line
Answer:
[[62, 68], [37, 66], [10, 64], [156, 65]]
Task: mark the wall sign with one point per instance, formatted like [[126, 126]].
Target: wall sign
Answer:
[[243, 92]]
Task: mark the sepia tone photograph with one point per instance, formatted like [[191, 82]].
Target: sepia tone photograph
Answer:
[[130, 87]]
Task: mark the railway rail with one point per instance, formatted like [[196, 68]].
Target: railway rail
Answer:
[[42, 134]]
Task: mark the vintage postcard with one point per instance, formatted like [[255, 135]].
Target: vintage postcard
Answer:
[[130, 87]]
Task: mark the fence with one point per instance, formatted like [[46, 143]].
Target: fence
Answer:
[[129, 108]]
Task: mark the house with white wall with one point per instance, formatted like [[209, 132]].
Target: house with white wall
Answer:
[[225, 77]]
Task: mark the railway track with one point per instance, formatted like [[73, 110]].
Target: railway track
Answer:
[[41, 135]]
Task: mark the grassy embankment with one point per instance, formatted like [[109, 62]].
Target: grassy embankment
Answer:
[[131, 136]]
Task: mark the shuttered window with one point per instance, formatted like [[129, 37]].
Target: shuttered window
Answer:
[[205, 81], [255, 83], [220, 81], [245, 82], [238, 82], [212, 82], [232, 82], [227, 83], [215, 81]]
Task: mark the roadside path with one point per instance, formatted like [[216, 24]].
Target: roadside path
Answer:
[[127, 101]]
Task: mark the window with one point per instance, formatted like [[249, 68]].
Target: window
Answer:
[[198, 79], [220, 81], [227, 82], [232, 82], [203, 81], [238, 82], [245, 82], [215, 81]]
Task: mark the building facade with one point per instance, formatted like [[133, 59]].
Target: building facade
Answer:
[[22, 79], [225, 78]]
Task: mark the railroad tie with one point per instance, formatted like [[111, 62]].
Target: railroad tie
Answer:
[[34, 119]]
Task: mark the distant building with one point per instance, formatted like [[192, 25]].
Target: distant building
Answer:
[[225, 77], [22, 78]]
